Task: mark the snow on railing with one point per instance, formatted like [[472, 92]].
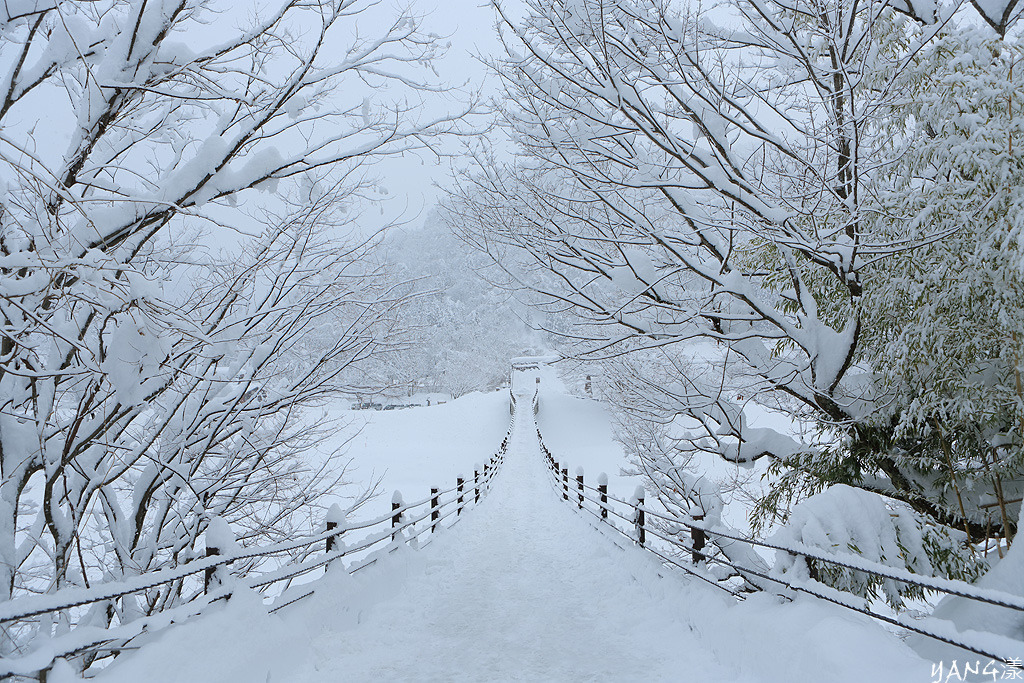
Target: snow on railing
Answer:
[[605, 508], [390, 531]]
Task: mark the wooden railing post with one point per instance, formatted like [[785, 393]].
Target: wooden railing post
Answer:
[[565, 483], [459, 483], [641, 532], [698, 538], [219, 539], [812, 570], [396, 518], [476, 482], [602, 488], [579, 484], [210, 571], [434, 512], [335, 519]]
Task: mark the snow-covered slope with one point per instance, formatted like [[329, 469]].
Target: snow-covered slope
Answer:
[[411, 450], [521, 589]]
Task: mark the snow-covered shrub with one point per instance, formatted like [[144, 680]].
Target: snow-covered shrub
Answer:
[[944, 325], [849, 520]]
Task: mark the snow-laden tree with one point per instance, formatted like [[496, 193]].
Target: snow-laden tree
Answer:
[[718, 195], [950, 370], [153, 334]]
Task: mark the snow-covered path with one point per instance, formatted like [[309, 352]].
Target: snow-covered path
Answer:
[[524, 589]]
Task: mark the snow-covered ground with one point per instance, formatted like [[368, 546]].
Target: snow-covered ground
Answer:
[[414, 449], [522, 588]]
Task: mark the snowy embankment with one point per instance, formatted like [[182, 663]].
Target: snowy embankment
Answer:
[[414, 449], [579, 433], [522, 588]]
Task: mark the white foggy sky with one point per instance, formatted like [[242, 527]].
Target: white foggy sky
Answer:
[[469, 26]]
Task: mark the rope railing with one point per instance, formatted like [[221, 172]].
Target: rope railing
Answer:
[[689, 570], [857, 563], [580, 496], [404, 523], [839, 559]]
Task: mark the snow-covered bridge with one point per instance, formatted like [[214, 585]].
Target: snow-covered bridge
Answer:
[[523, 589]]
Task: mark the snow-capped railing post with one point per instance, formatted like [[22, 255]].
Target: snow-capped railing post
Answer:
[[579, 484], [602, 489], [396, 518], [335, 519], [476, 482], [459, 483], [220, 540], [434, 511], [641, 532], [565, 483], [698, 539], [210, 571]]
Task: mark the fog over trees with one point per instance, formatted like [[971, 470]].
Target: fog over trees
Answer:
[[461, 328]]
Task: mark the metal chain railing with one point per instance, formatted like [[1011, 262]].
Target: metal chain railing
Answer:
[[405, 524], [601, 507]]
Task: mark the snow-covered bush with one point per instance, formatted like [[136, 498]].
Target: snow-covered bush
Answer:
[[944, 326], [848, 520]]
